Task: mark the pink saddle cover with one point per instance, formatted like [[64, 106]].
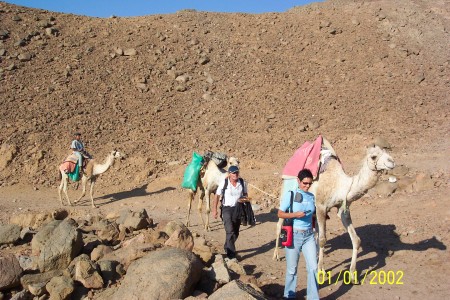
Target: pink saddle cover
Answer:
[[305, 157]]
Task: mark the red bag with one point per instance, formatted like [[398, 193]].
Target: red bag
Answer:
[[286, 236]]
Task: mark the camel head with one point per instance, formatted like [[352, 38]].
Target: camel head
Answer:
[[233, 161], [378, 159]]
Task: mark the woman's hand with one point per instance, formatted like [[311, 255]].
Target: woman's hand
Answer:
[[299, 214]]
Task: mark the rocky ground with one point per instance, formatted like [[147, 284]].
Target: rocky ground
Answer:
[[159, 87]]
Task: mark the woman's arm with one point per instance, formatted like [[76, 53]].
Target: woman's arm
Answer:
[[286, 215]]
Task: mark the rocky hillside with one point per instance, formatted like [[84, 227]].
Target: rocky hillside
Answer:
[[159, 87]]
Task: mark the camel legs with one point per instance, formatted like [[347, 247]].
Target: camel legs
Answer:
[[191, 198], [321, 214], [92, 191], [277, 239], [200, 204], [356, 241], [83, 186], [63, 187], [208, 210]]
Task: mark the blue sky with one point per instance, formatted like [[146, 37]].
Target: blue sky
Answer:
[[127, 8]]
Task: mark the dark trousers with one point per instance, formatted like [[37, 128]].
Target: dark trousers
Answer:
[[231, 231]]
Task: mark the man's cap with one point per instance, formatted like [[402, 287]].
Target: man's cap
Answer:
[[77, 133], [233, 169]]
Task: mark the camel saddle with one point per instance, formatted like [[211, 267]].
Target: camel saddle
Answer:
[[73, 159]]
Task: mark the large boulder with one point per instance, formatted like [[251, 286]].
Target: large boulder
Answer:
[[60, 288], [85, 272], [181, 238], [237, 290], [10, 271], [131, 220], [173, 226], [202, 250], [59, 244], [100, 251], [219, 271], [174, 273], [129, 254], [108, 270], [106, 231], [36, 220], [40, 278], [39, 240], [9, 234]]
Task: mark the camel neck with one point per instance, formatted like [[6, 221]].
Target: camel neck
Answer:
[[363, 181]]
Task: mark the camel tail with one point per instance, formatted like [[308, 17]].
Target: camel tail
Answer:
[[59, 175]]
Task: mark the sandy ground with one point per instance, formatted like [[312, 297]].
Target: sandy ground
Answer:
[[403, 255]]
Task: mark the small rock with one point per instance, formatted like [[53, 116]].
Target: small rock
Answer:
[[204, 60], [51, 31], [118, 51], [180, 88], [20, 43], [24, 57], [207, 97], [130, 52]]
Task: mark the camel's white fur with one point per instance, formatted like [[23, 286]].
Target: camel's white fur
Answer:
[[93, 171], [334, 188], [210, 178]]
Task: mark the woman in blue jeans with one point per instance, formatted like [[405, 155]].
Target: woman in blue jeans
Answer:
[[302, 212]]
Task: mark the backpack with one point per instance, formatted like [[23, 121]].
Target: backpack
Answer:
[[226, 185]]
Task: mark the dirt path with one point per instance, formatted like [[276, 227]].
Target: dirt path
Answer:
[[404, 238]]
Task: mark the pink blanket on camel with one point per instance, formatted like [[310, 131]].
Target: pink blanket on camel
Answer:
[[307, 156], [67, 167]]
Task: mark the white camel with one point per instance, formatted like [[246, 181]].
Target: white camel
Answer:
[[210, 178], [334, 188], [93, 170]]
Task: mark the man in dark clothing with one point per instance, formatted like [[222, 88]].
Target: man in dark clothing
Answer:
[[235, 189]]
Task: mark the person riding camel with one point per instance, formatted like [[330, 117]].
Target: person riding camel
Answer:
[[78, 149]]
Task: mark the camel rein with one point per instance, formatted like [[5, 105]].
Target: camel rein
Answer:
[[261, 190]]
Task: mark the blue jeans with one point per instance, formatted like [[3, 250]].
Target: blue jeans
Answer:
[[303, 242]]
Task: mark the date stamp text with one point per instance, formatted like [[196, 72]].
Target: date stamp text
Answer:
[[374, 277]]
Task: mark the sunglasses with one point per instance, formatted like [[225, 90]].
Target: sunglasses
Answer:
[[306, 183]]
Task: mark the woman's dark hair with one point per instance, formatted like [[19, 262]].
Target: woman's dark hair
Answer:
[[305, 173]]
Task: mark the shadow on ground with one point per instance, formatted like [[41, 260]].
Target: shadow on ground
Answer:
[[378, 239], [136, 192], [375, 238]]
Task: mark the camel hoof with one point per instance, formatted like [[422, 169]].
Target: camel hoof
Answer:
[[94, 206], [275, 257], [322, 243]]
